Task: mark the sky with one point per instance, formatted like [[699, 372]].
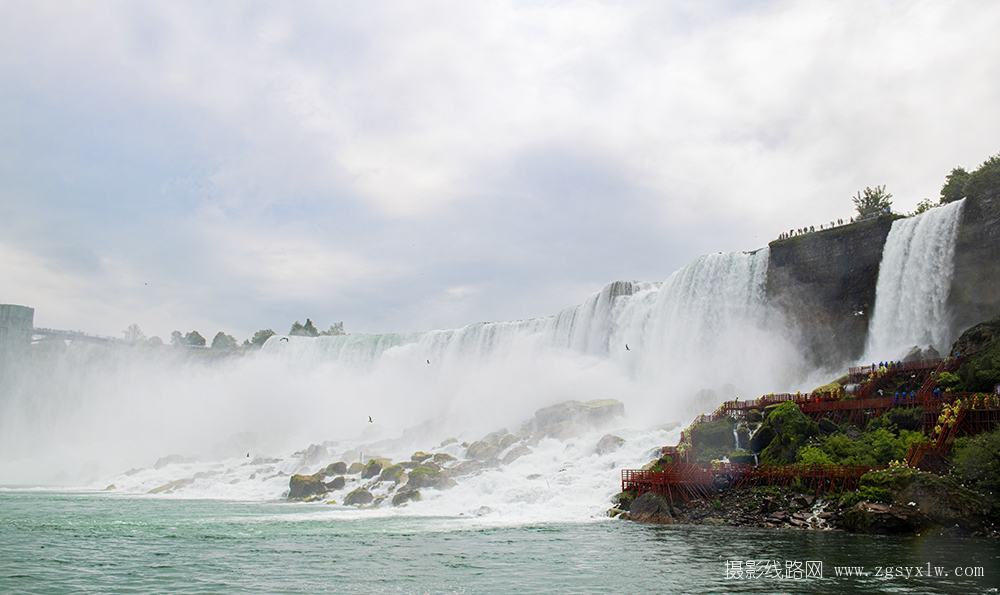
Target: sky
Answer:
[[405, 166]]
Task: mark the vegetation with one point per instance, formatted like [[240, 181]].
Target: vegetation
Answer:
[[261, 337], [872, 201], [195, 339], [303, 330], [960, 183], [977, 462], [224, 341]]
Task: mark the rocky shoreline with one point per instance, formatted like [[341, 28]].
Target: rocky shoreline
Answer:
[[914, 502]]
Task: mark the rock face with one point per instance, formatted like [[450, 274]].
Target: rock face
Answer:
[[824, 284], [359, 496], [609, 443], [651, 508], [977, 261]]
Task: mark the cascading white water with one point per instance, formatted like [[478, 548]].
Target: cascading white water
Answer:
[[651, 346], [913, 285]]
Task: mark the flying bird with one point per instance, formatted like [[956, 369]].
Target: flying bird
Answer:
[[284, 338], [370, 419], [428, 361], [626, 347]]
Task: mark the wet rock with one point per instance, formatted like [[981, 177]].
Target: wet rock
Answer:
[[405, 495], [337, 483], [515, 453], [359, 496], [590, 413], [393, 474], [482, 450], [355, 468], [304, 486], [420, 456], [173, 485], [425, 477], [442, 457], [372, 469], [651, 508], [609, 443], [335, 469], [883, 519]]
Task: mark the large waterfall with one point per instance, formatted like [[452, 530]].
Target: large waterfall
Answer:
[[913, 285], [237, 426]]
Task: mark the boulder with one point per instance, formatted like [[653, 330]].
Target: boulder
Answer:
[[393, 473], [515, 453], [420, 456], [405, 495], [609, 443], [597, 412], [355, 468], [883, 519], [173, 485], [372, 469], [442, 457], [713, 440], [482, 450], [335, 469], [359, 496], [651, 508], [337, 483], [303, 486], [425, 477]]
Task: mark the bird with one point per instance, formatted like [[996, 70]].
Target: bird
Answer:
[[370, 419], [626, 347], [284, 338], [428, 361]]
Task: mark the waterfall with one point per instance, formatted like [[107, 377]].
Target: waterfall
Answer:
[[913, 285]]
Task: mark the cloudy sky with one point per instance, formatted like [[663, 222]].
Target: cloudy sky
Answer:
[[404, 166]]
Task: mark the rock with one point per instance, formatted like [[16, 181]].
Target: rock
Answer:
[[651, 508], [169, 460], [313, 455], [335, 469], [355, 468], [713, 440], [420, 456], [173, 485], [827, 427], [425, 477], [754, 416], [515, 453], [561, 431], [110, 487], [373, 468], [442, 457], [405, 495], [303, 486], [609, 444], [597, 412], [359, 496], [481, 451], [508, 441], [714, 522], [470, 467], [393, 473], [409, 465], [337, 483], [884, 519]]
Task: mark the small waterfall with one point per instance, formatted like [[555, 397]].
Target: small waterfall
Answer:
[[913, 285]]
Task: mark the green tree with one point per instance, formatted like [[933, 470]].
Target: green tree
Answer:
[[922, 206], [984, 179], [177, 338], [954, 185], [261, 337], [872, 201], [335, 329], [134, 334], [194, 338], [304, 330], [224, 341]]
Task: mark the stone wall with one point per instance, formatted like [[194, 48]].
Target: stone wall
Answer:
[[975, 290], [16, 324]]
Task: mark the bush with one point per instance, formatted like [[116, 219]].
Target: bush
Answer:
[[977, 461]]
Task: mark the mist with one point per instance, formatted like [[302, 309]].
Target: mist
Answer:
[[82, 413]]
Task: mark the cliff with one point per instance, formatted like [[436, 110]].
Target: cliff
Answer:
[[823, 285]]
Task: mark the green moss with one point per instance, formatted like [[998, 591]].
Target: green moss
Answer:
[[423, 472], [713, 440]]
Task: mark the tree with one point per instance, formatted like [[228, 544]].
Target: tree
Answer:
[[872, 201], [194, 338], [133, 334], [224, 341], [954, 185], [304, 330], [176, 338], [922, 206], [261, 337], [985, 179], [335, 329]]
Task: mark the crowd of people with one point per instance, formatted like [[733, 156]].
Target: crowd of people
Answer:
[[812, 228]]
